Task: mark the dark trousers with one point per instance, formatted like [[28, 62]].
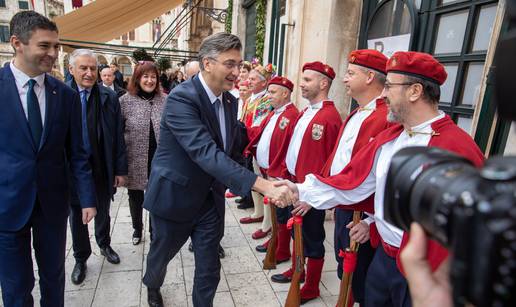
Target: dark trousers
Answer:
[[136, 208], [16, 267], [365, 253], [169, 237], [385, 286], [313, 233], [80, 234]]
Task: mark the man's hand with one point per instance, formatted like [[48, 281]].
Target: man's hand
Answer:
[[88, 214], [359, 232], [278, 194], [426, 288], [119, 181], [301, 208], [291, 194]]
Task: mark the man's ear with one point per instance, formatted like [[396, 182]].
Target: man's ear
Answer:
[[15, 43], [207, 64], [415, 92]]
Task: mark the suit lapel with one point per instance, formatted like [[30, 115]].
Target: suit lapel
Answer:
[[228, 116], [14, 105], [51, 100], [206, 108]]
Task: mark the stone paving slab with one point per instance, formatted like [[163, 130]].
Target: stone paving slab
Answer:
[[243, 282]]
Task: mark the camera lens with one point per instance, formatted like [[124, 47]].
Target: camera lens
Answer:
[[420, 180]]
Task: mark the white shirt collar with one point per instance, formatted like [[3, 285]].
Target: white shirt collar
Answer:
[[80, 88], [279, 110], [316, 106], [427, 124], [112, 86], [260, 94], [210, 93], [23, 78], [371, 105]]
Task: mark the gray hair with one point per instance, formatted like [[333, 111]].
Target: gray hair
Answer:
[[216, 44], [191, 68], [379, 76], [81, 52]]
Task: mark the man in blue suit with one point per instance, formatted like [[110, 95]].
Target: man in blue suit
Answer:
[[40, 125], [192, 167]]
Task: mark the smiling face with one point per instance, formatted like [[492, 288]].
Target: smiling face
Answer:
[[223, 70], [84, 71], [148, 81], [39, 54], [256, 82]]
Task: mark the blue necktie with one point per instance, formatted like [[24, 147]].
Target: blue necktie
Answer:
[[85, 136], [34, 114]]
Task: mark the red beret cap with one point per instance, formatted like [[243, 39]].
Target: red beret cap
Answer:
[[282, 81], [417, 64], [369, 58], [320, 67]]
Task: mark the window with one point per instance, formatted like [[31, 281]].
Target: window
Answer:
[[4, 33], [2, 3], [131, 35], [460, 41], [23, 5]]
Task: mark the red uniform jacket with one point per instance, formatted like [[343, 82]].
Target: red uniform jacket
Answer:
[[280, 134], [318, 142], [448, 136], [375, 123]]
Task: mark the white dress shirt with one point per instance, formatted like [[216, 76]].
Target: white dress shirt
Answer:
[[264, 144], [213, 98], [349, 137], [323, 196], [21, 80], [297, 136], [112, 86]]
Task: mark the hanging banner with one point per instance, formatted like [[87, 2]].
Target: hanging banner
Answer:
[[390, 44]]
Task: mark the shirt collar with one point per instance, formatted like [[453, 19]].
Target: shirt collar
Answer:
[[279, 110], [260, 94], [316, 106], [371, 105], [88, 90], [112, 86], [428, 123], [23, 78], [210, 93]]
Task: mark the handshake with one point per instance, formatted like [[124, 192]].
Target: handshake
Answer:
[[282, 194]]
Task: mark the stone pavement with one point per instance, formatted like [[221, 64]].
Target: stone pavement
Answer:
[[243, 282]]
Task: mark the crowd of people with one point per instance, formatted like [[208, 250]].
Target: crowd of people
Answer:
[[183, 143]]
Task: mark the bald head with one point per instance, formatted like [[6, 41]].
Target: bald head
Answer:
[[191, 68]]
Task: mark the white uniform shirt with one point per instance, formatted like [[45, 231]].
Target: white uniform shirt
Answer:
[[264, 144], [22, 84], [349, 137], [297, 136], [323, 196]]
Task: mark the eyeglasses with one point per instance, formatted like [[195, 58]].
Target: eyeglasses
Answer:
[[388, 85], [230, 65]]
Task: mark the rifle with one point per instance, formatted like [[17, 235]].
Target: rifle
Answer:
[[269, 262], [294, 293], [349, 262]]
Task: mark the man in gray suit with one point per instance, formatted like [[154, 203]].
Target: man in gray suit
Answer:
[[192, 167]]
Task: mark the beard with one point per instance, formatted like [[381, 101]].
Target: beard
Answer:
[[397, 115]]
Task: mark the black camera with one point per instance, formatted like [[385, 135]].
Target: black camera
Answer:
[[472, 212]]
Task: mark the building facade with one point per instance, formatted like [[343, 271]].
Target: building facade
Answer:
[[461, 34]]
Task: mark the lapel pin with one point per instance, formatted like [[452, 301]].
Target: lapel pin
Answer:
[[54, 92]]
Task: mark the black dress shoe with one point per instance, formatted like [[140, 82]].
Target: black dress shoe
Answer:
[[154, 297], [280, 278], [79, 273], [222, 253], [110, 254], [261, 248], [240, 200], [190, 247], [246, 203], [137, 237]]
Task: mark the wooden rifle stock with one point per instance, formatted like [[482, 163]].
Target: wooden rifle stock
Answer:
[[294, 292], [345, 283], [269, 262]]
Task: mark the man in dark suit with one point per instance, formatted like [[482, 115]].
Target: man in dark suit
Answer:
[[119, 77], [107, 79], [39, 126], [104, 142], [192, 167]]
